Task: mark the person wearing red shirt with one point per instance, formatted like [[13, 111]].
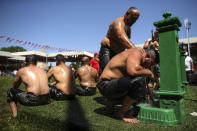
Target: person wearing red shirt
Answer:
[[94, 62]]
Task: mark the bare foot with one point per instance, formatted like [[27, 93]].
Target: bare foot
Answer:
[[130, 120], [128, 117]]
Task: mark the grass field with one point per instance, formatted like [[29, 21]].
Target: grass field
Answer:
[[84, 113]]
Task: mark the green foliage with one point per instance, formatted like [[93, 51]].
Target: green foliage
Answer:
[[13, 49], [84, 113], [76, 64]]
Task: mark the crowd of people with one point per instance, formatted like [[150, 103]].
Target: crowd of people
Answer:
[[120, 71]]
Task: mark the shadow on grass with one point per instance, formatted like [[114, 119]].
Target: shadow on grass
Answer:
[[76, 119], [190, 100], [73, 119], [100, 100]]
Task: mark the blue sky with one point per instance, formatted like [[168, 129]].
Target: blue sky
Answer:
[[82, 24]]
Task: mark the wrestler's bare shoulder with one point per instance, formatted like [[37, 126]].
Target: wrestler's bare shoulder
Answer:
[[136, 49], [83, 68], [118, 20]]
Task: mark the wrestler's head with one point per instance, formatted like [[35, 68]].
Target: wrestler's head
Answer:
[[148, 58], [59, 59], [30, 59], [96, 56], [156, 35], [85, 60], [131, 16]]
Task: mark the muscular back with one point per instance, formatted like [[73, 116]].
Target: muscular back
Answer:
[[118, 36], [123, 64], [35, 79], [87, 76], [64, 78]]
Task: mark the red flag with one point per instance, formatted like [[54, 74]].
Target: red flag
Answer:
[[36, 45], [11, 40], [1, 36], [7, 39], [32, 44], [19, 41], [25, 43]]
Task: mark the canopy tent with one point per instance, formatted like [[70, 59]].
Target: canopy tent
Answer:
[[41, 56], [70, 56], [7, 57], [26, 53], [17, 58]]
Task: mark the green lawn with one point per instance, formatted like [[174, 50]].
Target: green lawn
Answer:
[[84, 113]]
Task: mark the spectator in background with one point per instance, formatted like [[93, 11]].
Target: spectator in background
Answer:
[[72, 68], [0, 72], [14, 73], [189, 66], [94, 62]]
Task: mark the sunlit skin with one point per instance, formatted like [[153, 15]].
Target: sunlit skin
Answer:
[[87, 74], [35, 80], [64, 78], [118, 35], [154, 44], [132, 62]]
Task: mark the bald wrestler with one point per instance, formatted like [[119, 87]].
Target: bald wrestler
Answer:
[[123, 79], [118, 37], [64, 88], [36, 82], [88, 77]]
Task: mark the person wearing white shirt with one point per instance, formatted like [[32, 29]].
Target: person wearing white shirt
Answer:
[[189, 66]]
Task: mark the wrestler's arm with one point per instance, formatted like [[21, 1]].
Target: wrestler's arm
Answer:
[[121, 34], [96, 75], [77, 73], [134, 68], [17, 80], [147, 43], [50, 73]]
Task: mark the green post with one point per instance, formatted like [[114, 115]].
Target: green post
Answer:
[[173, 83]]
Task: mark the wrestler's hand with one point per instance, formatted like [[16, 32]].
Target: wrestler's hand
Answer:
[[152, 77], [149, 40]]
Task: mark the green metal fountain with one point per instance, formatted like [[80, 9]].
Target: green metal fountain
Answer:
[[173, 83]]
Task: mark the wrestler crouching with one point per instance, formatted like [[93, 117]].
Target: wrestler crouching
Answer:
[[36, 82], [123, 79]]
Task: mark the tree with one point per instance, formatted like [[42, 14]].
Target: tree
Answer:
[[13, 49], [76, 64]]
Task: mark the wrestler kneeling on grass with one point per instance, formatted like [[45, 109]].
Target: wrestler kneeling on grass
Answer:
[[123, 79], [36, 82], [88, 77], [64, 87]]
